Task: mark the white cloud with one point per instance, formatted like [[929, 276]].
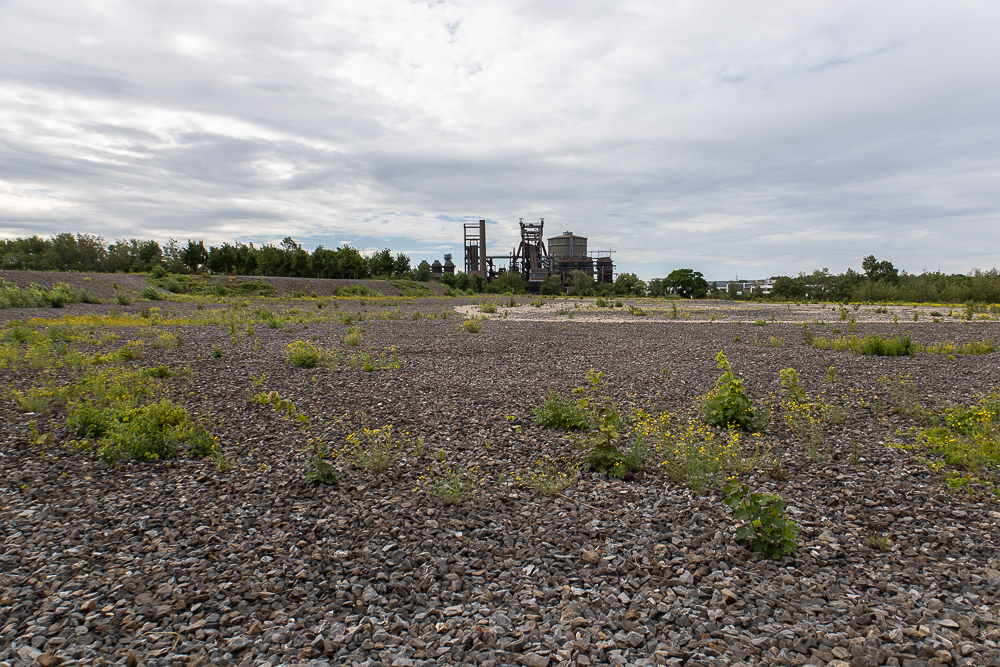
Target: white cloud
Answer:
[[758, 137]]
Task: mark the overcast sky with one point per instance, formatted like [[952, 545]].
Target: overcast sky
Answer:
[[735, 138]]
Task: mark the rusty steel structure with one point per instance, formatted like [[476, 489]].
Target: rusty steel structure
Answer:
[[533, 259], [475, 248]]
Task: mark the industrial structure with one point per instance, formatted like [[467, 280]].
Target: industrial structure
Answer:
[[565, 253]]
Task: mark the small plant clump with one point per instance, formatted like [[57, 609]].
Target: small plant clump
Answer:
[[559, 412], [728, 405], [764, 525], [319, 470], [375, 449], [473, 325], [452, 487], [550, 478], [892, 346], [879, 542]]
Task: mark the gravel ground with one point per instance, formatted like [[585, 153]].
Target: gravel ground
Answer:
[[175, 563]]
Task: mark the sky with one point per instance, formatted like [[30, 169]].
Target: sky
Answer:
[[737, 139]]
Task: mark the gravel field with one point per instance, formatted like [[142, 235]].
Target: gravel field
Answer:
[[177, 563]]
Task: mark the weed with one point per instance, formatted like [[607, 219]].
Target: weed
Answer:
[[905, 395], [559, 412], [790, 385], [985, 346], [807, 335], [303, 354], [132, 350], [775, 342], [855, 457], [318, 469], [776, 470], [488, 307], [764, 522], [636, 311], [419, 447], [600, 442], [879, 542], [284, 406], [153, 431], [969, 437], [831, 375], [353, 338], [760, 323], [893, 346], [473, 325], [123, 299], [550, 478], [452, 487], [374, 449], [692, 454], [151, 294], [728, 405], [217, 351]]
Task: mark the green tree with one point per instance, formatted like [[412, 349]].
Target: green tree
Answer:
[[876, 270], [423, 272], [551, 285], [194, 255], [686, 283], [655, 288], [509, 281], [221, 259], [381, 263], [787, 288], [580, 283], [401, 265], [150, 255], [628, 284]]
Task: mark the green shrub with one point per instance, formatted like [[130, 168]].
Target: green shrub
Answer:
[[303, 354], [893, 346], [473, 325], [551, 479], [151, 294], [452, 487], [153, 431], [375, 449], [764, 522], [132, 350], [728, 405], [559, 412], [319, 469], [123, 299]]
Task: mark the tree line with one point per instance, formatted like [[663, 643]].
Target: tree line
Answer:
[[880, 281], [85, 252]]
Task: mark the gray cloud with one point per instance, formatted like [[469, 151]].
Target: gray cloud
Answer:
[[733, 138]]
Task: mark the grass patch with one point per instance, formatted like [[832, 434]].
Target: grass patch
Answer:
[[892, 346], [452, 487], [549, 478], [560, 412], [985, 346]]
